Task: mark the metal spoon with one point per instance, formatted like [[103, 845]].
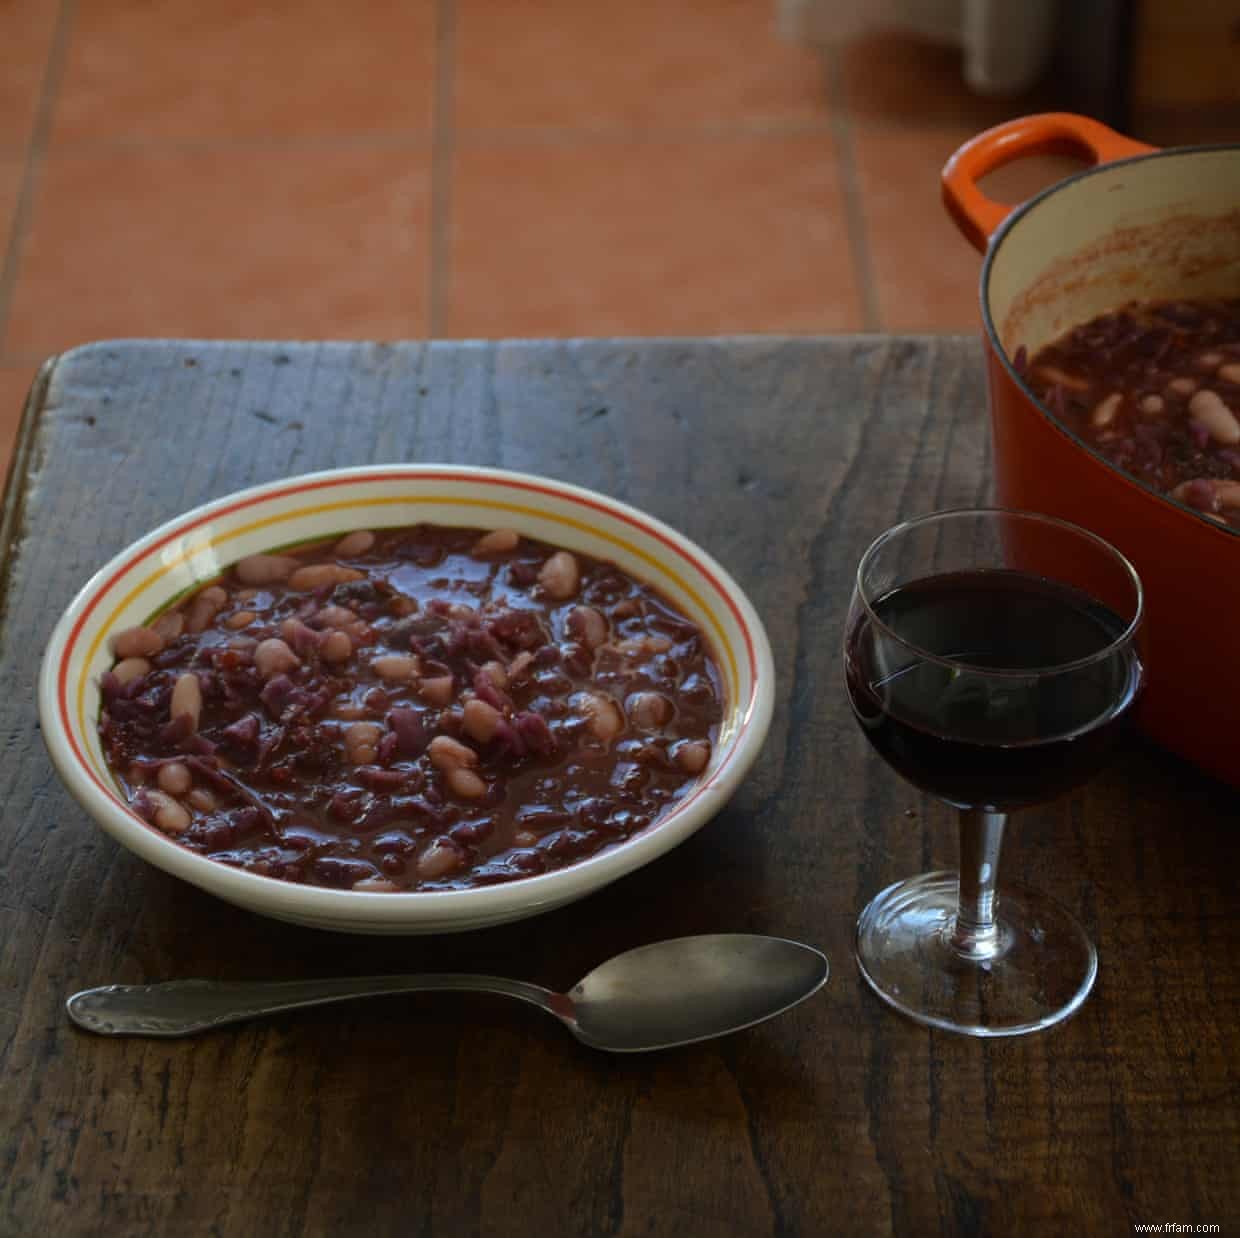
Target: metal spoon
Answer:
[[657, 996]]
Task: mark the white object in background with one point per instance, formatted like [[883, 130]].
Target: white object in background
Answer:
[[1006, 43]]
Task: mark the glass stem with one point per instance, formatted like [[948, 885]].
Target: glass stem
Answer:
[[975, 934]]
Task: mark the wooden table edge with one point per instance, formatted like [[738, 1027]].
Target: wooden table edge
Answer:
[[17, 479]]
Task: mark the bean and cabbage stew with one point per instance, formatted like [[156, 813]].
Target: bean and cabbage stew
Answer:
[[413, 709], [1155, 387]]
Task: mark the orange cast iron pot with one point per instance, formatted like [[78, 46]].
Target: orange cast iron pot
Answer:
[[1142, 223]]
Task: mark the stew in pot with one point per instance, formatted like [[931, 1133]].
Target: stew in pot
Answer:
[[1155, 387]]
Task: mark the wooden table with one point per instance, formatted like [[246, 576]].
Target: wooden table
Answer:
[[453, 1115]]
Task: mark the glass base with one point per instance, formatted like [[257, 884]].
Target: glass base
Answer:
[[1040, 971]]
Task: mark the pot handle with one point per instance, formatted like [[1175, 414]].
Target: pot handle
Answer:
[[976, 215]]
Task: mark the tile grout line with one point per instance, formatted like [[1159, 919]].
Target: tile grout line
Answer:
[[414, 139], [854, 211], [36, 152], [539, 135], [443, 155], [411, 139]]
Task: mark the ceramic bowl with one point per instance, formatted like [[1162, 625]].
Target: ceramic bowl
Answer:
[[199, 545]]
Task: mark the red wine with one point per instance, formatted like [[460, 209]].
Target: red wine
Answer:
[[996, 726]]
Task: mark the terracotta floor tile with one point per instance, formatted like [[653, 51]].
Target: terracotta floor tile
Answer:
[[26, 30], [278, 244], [639, 64], [897, 77], [189, 70], [925, 273], [650, 238], [15, 383]]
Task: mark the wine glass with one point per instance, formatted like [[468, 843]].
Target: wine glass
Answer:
[[991, 658]]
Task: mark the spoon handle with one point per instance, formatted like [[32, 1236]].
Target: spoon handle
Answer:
[[183, 1007]]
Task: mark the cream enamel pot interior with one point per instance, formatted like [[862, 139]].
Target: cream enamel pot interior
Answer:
[[1143, 223]]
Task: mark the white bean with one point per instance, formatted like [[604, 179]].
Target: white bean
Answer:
[[465, 784], [1106, 409], [1152, 405], [649, 710], [440, 858], [187, 698], [356, 543], [264, 569], [480, 720], [1198, 492], [560, 576], [376, 885], [1230, 373], [602, 713], [335, 617], [642, 646], [320, 575], [201, 799], [296, 633], [1182, 386], [1209, 409], [240, 619], [497, 542], [137, 643], [1227, 494], [396, 667], [692, 755], [171, 817], [204, 608], [1210, 360], [274, 657], [496, 673], [337, 647], [436, 690], [1053, 374], [131, 668], [586, 625], [174, 778], [519, 667], [361, 742], [448, 754]]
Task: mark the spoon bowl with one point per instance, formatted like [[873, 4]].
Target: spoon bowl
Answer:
[[692, 988], [659, 996]]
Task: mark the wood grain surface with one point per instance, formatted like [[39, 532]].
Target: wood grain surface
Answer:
[[445, 1115]]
